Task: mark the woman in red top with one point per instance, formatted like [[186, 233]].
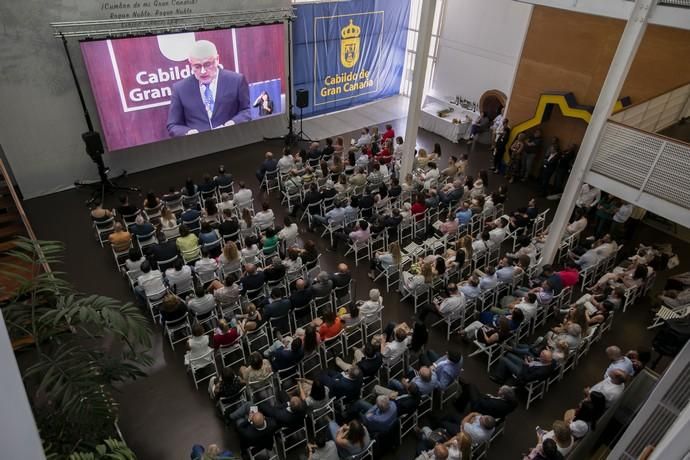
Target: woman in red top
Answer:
[[418, 208], [569, 275], [389, 134], [386, 155], [224, 335], [331, 326]]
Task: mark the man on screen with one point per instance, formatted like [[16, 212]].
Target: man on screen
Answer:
[[211, 98]]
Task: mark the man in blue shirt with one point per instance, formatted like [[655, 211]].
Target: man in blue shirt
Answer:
[[471, 288], [464, 214], [378, 418], [425, 382], [447, 368]]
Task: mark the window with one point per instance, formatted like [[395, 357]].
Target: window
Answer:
[[411, 51]]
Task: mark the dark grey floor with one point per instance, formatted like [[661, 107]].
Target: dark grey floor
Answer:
[[162, 415]]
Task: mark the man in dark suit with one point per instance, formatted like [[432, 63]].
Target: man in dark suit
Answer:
[[285, 358], [301, 295], [498, 406], [342, 277], [254, 429], [408, 402], [524, 369], [252, 279], [164, 250], [277, 305], [345, 384], [269, 164], [290, 415], [211, 98]]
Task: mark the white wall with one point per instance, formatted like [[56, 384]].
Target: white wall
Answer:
[[19, 435], [480, 46], [41, 121]]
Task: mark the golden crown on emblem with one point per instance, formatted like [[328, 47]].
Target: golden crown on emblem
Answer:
[[350, 31]]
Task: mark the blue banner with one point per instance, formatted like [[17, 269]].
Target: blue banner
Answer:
[[349, 53]]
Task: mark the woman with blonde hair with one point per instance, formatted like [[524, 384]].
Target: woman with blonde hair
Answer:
[[246, 223], [422, 159], [462, 253], [168, 219], [385, 260], [230, 258]]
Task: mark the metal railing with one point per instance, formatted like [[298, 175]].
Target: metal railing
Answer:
[[658, 113], [650, 163]]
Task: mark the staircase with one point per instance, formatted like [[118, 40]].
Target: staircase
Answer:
[[13, 223]]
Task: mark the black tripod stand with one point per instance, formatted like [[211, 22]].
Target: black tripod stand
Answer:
[[104, 184], [94, 148], [301, 135]]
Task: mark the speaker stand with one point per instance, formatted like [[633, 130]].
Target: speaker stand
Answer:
[[301, 135], [105, 185], [290, 138]]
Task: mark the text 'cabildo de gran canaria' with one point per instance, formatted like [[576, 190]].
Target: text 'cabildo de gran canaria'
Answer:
[[346, 82]]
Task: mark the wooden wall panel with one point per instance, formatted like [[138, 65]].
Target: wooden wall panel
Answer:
[[566, 51]]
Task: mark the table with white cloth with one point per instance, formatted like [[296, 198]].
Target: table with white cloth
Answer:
[[444, 126]]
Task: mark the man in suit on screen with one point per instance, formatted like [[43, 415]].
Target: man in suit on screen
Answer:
[[210, 98]]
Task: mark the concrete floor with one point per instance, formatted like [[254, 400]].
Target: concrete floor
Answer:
[[162, 415]]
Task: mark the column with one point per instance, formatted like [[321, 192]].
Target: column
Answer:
[[618, 71], [426, 24]]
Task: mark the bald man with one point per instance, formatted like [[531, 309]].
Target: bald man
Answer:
[[210, 98]]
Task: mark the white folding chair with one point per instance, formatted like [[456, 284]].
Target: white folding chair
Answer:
[[204, 365], [232, 355], [103, 229], [178, 330]]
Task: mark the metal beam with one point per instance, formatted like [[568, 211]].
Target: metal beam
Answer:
[[618, 71]]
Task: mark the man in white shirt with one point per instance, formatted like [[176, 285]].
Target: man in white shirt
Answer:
[[578, 225], [201, 302], [528, 305], [364, 138], [482, 243], [607, 247], [452, 304], [179, 275], [289, 232], [264, 218], [498, 234], [149, 282], [373, 305], [611, 387], [243, 197], [286, 162], [589, 197], [206, 264], [392, 351], [620, 218], [225, 203]]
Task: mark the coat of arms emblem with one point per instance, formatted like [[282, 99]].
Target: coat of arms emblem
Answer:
[[349, 45]]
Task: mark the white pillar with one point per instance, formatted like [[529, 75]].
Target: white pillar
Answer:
[[19, 435], [426, 24], [618, 71]]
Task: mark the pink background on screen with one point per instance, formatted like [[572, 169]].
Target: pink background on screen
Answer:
[[260, 56]]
